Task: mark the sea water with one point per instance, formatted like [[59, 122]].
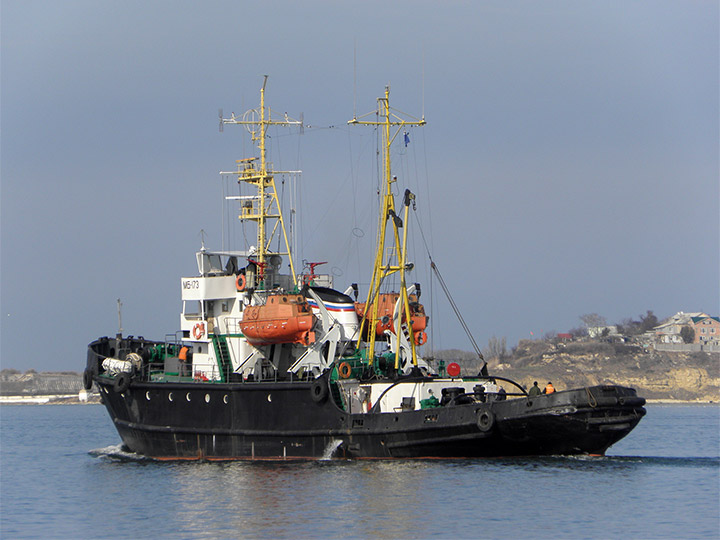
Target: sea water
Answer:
[[63, 475]]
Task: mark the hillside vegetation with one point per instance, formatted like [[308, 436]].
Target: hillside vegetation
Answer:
[[654, 374]]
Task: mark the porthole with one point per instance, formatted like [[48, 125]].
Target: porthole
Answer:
[[170, 396], [225, 399], [147, 396], [269, 398], [187, 396], [207, 398]]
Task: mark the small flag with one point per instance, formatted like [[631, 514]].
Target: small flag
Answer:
[[407, 139]]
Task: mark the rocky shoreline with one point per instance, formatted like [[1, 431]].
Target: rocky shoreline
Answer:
[[656, 375], [660, 377], [91, 399]]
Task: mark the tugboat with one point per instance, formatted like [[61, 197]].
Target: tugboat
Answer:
[[273, 365]]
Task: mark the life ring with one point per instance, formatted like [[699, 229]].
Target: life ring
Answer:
[[122, 382], [420, 338], [485, 421], [344, 370], [87, 379], [319, 390], [198, 330], [240, 282]]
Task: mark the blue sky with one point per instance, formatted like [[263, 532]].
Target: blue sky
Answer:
[[569, 164]]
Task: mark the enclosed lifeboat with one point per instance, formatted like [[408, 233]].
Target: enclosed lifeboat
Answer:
[[341, 309], [284, 318], [386, 307]]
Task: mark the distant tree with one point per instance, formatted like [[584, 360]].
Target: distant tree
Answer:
[[605, 332], [591, 320], [628, 327], [648, 322], [579, 332], [496, 348], [687, 334]]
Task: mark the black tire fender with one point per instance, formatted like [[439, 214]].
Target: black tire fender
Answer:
[[631, 401], [87, 379], [485, 420], [122, 382], [319, 390]]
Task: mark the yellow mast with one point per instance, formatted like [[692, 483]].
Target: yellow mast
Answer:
[[265, 205], [382, 266]]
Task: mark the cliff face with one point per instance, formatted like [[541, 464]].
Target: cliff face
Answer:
[[13, 383], [655, 375]]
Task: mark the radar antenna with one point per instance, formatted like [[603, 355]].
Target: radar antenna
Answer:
[[263, 208]]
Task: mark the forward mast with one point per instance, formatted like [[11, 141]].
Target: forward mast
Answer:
[[264, 207], [391, 254]]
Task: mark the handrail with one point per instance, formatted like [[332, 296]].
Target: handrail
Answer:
[[455, 398], [420, 379], [489, 377], [379, 399]]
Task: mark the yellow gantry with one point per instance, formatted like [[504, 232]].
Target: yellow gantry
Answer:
[[382, 266], [265, 205]]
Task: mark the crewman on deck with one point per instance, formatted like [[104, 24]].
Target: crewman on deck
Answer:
[[535, 390], [549, 389], [183, 357]]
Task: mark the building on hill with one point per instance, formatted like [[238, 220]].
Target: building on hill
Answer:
[[602, 331], [669, 331], [707, 329]]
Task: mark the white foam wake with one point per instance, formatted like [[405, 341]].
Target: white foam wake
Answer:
[[116, 452], [330, 449]]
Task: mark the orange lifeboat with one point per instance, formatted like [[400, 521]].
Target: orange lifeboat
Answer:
[[285, 318], [386, 307]]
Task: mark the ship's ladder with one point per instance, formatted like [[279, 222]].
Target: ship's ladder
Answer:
[[222, 354], [335, 392]]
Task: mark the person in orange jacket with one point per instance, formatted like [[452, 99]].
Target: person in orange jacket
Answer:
[[549, 389]]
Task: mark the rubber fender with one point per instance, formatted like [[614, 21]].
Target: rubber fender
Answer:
[[87, 379], [631, 401], [602, 401], [485, 420], [122, 382], [319, 390]]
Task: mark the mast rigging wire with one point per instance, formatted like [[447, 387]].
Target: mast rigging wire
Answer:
[[445, 289]]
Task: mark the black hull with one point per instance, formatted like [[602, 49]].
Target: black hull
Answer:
[[282, 420]]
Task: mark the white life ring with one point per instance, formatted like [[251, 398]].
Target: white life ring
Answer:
[[199, 330]]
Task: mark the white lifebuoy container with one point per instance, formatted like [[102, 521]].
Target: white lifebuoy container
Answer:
[[199, 330]]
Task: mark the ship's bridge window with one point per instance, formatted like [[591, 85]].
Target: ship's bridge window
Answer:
[[192, 309], [231, 267], [209, 264]]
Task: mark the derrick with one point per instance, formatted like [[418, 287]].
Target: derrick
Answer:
[[392, 260]]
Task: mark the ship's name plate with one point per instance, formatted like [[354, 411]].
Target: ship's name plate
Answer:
[[208, 288]]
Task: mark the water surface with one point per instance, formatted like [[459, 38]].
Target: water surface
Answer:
[[63, 476]]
